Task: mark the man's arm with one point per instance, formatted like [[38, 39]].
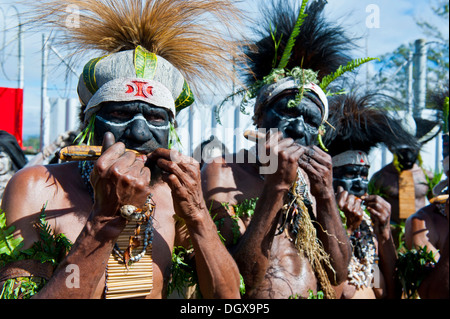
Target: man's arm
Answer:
[[86, 254], [380, 211], [217, 272], [252, 252], [417, 231], [436, 284], [118, 179], [317, 165]]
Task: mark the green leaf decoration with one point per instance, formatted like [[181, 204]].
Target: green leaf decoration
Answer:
[[50, 248], [352, 65], [183, 274], [89, 74], [86, 135], [412, 267], [185, 99], [9, 245], [295, 32], [145, 63], [174, 139]]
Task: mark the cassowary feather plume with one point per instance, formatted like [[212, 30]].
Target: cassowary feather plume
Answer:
[[321, 45], [183, 32], [360, 123]]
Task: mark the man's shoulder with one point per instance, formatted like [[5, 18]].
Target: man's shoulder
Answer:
[[424, 213], [41, 173], [386, 170], [227, 166], [227, 181]]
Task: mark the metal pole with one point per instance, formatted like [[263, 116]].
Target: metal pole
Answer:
[[21, 58], [410, 84], [420, 74], [20, 81], [236, 130], [45, 108]]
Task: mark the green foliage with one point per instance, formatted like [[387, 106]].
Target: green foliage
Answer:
[[9, 246], [50, 248], [351, 66], [174, 139], [87, 135], [295, 32], [22, 287], [32, 145], [311, 295], [412, 267], [246, 208], [183, 275], [432, 182], [241, 285], [276, 44]]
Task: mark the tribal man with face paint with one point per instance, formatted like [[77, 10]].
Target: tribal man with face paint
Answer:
[[276, 243], [125, 212], [360, 125]]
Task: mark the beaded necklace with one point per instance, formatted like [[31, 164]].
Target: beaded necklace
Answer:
[[122, 282], [361, 269]]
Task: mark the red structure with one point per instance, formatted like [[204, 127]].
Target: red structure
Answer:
[[11, 110]]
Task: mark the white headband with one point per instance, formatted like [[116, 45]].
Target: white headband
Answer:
[[271, 91], [351, 158], [125, 89]]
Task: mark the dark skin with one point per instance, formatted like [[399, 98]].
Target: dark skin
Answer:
[[270, 265], [350, 202], [353, 178], [436, 284], [428, 227], [120, 178], [386, 180]]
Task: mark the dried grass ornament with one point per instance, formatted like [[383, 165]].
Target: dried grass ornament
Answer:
[[297, 213]]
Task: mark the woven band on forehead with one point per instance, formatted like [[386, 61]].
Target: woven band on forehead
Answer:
[[351, 158], [269, 92], [99, 81]]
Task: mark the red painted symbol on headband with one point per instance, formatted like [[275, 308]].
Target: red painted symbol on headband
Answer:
[[142, 89]]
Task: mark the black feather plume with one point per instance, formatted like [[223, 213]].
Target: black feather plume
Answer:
[[321, 45], [360, 123]]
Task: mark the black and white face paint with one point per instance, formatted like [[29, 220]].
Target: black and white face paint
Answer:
[[140, 126], [300, 122], [353, 178], [407, 156]]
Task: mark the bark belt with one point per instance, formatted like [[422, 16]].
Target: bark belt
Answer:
[[26, 268]]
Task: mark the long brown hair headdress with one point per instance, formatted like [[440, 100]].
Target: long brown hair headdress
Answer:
[[172, 42]]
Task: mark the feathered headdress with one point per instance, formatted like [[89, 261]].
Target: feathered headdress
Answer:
[[316, 44], [298, 49], [149, 49], [361, 123]]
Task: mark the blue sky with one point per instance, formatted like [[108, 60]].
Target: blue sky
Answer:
[[397, 26]]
